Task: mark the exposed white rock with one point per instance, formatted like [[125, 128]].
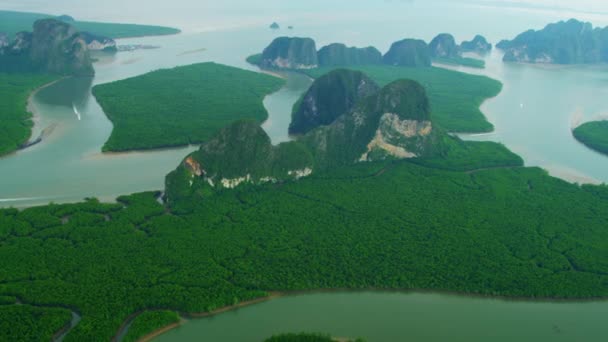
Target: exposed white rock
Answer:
[[284, 63], [297, 174], [392, 130], [234, 182]]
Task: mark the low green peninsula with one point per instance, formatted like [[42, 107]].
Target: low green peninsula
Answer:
[[594, 135], [12, 22], [15, 118], [181, 106]]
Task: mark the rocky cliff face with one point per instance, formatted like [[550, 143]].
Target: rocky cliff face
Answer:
[[394, 123], [341, 55], [479, 44], [53, 47], [99, 43], [410, 53], [241, 153], [290, 53], [329, 97], [444, 46], [565, 42]]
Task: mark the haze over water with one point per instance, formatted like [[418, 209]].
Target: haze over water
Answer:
[[232, 30]]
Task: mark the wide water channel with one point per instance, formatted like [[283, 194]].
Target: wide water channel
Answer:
[[391, 317], [533, 116]]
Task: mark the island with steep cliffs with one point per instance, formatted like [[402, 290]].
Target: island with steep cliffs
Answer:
[[479, 45], [290, 53], [565, 42], [330, 96], [53, 47]]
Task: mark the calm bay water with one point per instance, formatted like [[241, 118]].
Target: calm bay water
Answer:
[[533, 116]]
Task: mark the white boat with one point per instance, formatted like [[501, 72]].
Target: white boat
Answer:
[[76, 111]]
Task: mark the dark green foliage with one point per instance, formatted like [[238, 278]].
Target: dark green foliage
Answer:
[[454, 97], [306, 337], [409, 53], [15, 123], [372, 225], [181, 106], [565, 42], [479, 44], [149, 321], [464, 61], [290, 53], [454, 154], [241, 153], [444, 46], [593, 134], [329, 97], [30, 323], [13, 22], [339, 54]]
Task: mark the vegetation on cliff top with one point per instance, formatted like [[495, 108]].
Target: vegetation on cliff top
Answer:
[[16, 124], [181, 106], [13, 22], [455, 97], [329, 97], [593, 134]]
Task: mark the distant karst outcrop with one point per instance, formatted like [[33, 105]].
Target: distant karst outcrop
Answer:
[[340, 55], [275, 26], [444, 46], [4, 40], [565, 42], [290, 53], [329, 97], [410, 53], [479, 44], [53, 47], [99, 43]]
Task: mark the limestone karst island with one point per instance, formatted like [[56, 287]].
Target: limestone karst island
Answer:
[[319, 171]]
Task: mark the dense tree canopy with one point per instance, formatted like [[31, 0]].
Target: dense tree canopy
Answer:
[[181, 106]]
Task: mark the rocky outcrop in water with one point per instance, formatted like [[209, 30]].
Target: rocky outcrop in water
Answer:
[[444, 46], [290, 53], [565, 42], [275, 26], [479, 45], [99, 43], [53, 47], [410, 53], [341, 55], [4, 40], [329, 97]]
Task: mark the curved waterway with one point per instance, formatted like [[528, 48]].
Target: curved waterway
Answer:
[[389, 317]]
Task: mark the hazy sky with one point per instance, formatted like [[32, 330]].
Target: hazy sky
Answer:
[[198, 15]]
